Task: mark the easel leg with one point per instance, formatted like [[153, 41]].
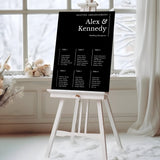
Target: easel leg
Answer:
[[80, 117], [74, 118], [112, 122], [101, 127], [86, 118], [54, 129]]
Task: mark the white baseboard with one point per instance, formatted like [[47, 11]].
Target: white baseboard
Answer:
[[122, 125]]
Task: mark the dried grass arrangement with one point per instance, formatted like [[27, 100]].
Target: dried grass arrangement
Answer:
[[8, 90]]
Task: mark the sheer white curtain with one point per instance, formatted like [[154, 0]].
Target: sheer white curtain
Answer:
[[148, 68]]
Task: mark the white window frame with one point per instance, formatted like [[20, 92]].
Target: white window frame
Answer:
[[24, 12]]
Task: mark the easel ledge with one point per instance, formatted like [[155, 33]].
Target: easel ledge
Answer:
[[73, 94]]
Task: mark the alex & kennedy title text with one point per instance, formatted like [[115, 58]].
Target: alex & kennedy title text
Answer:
[[94, 25]]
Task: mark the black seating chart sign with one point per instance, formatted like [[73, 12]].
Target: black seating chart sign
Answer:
[[83, 51]]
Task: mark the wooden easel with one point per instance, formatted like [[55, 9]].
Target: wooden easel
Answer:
[[78, 96], [100, 98]]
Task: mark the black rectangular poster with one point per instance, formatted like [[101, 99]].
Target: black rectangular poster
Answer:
[[83, 51]]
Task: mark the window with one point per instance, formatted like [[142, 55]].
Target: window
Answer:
[[28, 30]]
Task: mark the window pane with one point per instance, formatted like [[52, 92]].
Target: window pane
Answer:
[[10, 4], [124, 41], [11, 40], [47, 4], [42, 30], [102, 4], [125, 4]]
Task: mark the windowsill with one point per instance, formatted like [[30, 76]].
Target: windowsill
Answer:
[[117, 82], [26, 78]]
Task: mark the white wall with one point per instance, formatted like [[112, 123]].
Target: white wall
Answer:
[[36, 110]]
